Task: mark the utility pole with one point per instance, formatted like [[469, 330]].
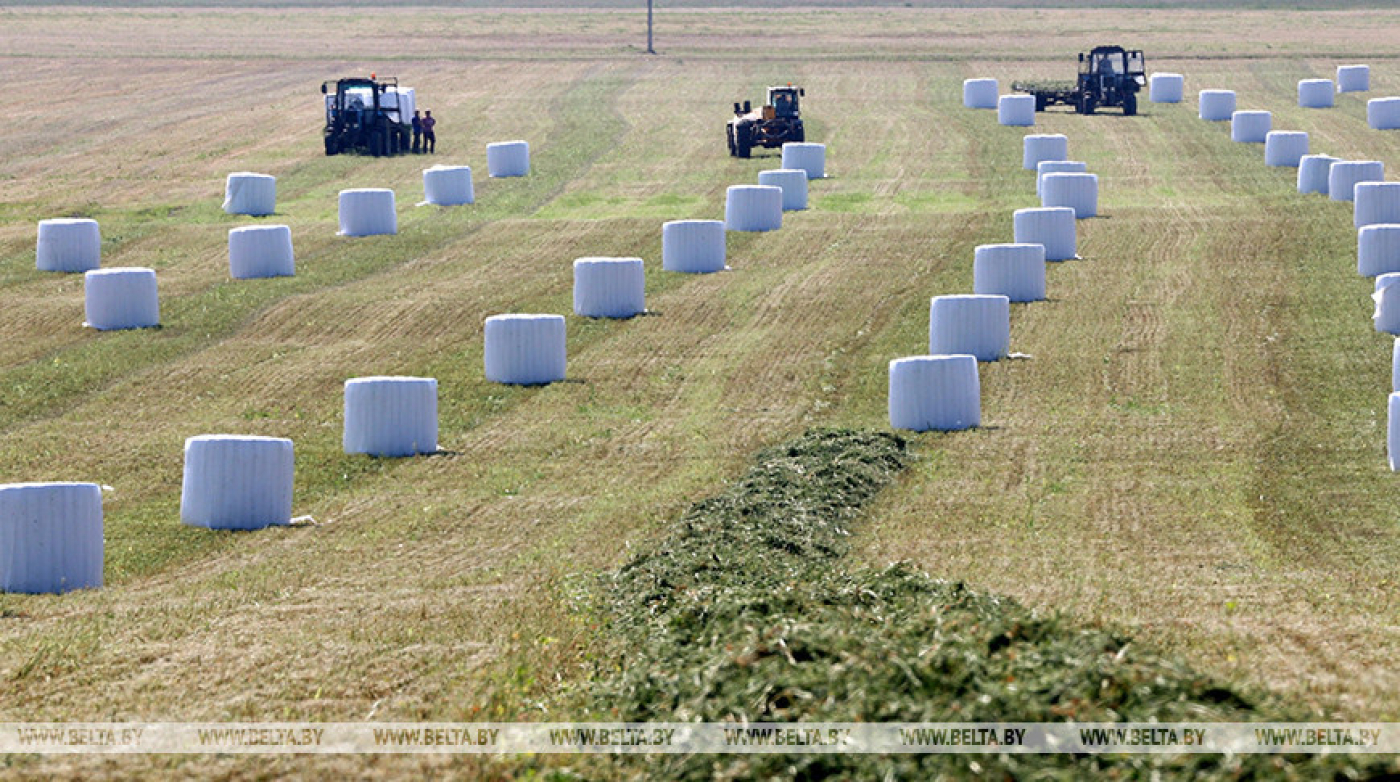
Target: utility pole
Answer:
[[649, 49]]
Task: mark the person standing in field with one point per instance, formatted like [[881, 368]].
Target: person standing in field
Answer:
[[429, 137], [417, 132]]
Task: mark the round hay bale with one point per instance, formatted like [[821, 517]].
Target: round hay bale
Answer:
[[973, 324], [609, 287], [50, 537], [236, 482], [1043, 146], [1353, 78], [391, 416], [1165, 87], [1051, 227], [448, 185], [246, 193], [1387, 314], [980, 93], [793, 183], [1217, 105], [1375, 203], [508, 159], [68, 245], [260, 251], [1079, 192], [1250, 127], [525, 350], [1313, 173], [1383, 113], [1315, 93], [935, 393], [368, 211], [1392, 437], [1056, 167], [753, 208], [1016, 271], [1016, 110], [115, 299], [1285, 148], [693, 246], [1378, 250], [1345, 175], [806, 156]]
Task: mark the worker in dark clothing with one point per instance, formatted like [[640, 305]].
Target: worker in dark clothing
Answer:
[[429, 137], [417, 132]]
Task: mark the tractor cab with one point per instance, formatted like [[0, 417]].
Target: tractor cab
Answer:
[[1112, 62], [784, 100]]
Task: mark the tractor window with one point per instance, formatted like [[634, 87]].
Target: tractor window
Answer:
[[1108, 65], [1135, 64], [784, 102], [359, 98]]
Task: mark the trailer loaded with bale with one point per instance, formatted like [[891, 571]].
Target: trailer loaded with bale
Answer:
[[370, 116], [1108, 76]]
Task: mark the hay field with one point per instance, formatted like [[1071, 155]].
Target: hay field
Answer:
[[1195, 451]]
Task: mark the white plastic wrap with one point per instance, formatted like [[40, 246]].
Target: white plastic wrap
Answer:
[[1016, 271], [1250, 127], [123, 298], [260, 251], [1217, 105], [807, 156], [976, 325], [1315, 93], [1016, 110], [1387, 314], [753, 208], [1051, 227], [609, 287], [50, 537], [793, 183], [1383, 113], [368, 211], [1165, 87], [1345, 175], [508, 159], [1313, 173], [1378, 250], [1392, 437], [1285, 148], [526, 350], [929, 393], [693, 246], [1056, 167], [1079, 192], [1043, 146], [980, 93], [1375, 203], [1353, 78], [391, 416], [237, 482], [68, 245], [448, 185], [246, 193]]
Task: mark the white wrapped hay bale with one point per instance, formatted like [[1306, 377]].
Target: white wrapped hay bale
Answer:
[[1383, 113], [1016, 110], [368, 211], [609, 287], [125, 298], [50, 537], [508, 159], [1375, 203], [1313, 173], [977, 325], [1353, 78], [1165, 87], [1378, 250], [806, 156], [1392, 438], [448, 185], [1217, 105], [1043, 146], [753, 208], [1250, 127], [693, 246], [793, 183], [980, 93], [236, 482], [525, 350], [1056, 167], [935, 393], [1387, 314], [68, 245], [1345, 175], [246, 193], [1050, 227], [1079, 192], [260, 251], [1315, 93], [1016, 271], [1285, 148], [391, 416]]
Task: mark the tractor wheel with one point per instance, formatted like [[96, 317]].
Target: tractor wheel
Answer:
[[1039, 102], [331, 146], [1129, 104], [743, 139], [799, 135], [729, 136], [1089, 103]]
